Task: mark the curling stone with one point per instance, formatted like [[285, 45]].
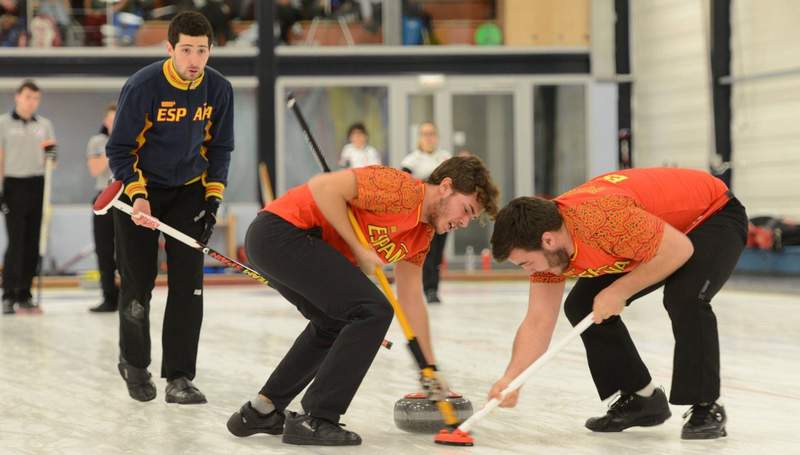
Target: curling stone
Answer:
[[415, 413]]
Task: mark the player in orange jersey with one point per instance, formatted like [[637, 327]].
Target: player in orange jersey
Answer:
[[624, 235], [304, 243]]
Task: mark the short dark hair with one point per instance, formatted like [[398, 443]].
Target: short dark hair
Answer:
[[358, 126], [189, 23], [469, 176], [28, 84], [521, 224]]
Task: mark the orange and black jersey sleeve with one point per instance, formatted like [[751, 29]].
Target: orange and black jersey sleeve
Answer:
[[169, 132]]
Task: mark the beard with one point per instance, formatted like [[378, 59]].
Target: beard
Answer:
[[557, 259], [437, 213]]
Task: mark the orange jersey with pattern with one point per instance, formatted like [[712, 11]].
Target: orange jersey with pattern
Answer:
[[616, 220], [388, 208]]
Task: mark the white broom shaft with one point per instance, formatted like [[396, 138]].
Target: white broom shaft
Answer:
[[46, 209], [523, 377], [166, 229]]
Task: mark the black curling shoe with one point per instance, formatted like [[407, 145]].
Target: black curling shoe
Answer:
[[303, 429], [705, 422], [631, 410], [247, 422]]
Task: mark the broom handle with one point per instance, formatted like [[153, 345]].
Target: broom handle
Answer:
[[523, 377]]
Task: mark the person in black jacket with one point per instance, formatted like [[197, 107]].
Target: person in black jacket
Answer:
[[170, 146], [103, 225]]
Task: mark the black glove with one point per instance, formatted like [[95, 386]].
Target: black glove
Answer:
[[208, 217], [50, 152], [435, 387], [3, 205]]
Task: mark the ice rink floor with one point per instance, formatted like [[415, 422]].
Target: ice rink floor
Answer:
[[60, 391]]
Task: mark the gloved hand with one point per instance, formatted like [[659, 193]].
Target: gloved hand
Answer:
[[50, 148], [3, 205], [208, 217], [434, 385]]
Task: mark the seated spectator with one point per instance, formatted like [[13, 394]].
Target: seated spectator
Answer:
[[60, 11], [44, 32], [417, 24], [127, 18], [12, 24], [286, 15], [93, 18], [219, 13]]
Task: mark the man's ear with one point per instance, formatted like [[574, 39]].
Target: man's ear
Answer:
[[446, 186], [548, 240], [170, 49]]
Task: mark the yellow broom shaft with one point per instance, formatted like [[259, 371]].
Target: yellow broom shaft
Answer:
[[445, 407]]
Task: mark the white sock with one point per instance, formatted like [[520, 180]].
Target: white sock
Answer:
[[647, 391], [262, 405]]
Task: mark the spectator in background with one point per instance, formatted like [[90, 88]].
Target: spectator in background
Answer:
[[103, 225], [286, 15], [421, 163], [59, 11], [93, 17], [219, 13], [12, 23], [128, 18], [417, 24], [25, 140], [357, 153]]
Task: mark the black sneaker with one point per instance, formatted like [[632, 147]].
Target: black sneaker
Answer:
[[705, 422], [247, 422], [303, 429], [28, 306], [182, 391], [140, 386], [8, 306], [105, 306], [432, 296], [631, 410]]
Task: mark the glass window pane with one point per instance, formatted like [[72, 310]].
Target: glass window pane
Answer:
[[330, 112], [420, 109], [483, 125], [559, 124]]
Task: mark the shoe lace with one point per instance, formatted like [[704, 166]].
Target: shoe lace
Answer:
[[620, 403], [317, 423], [698, 414]]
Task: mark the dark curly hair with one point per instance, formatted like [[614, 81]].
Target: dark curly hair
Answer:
[[469, 176], [189, 23], [521, 224]]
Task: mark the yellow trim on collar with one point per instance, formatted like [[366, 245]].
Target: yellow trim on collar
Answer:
[[175, 80]]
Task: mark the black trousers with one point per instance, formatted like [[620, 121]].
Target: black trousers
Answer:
[[137, 256], [613, 360], [433, 262], [103, 230], [348, 316], [23, 224]]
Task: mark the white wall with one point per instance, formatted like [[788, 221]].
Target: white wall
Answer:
[[672, 111], [766, 139]]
